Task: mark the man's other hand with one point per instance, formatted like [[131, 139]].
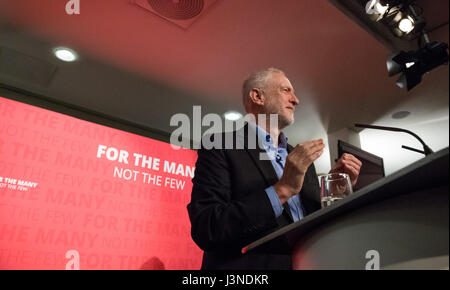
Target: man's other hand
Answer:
[[348, 164]]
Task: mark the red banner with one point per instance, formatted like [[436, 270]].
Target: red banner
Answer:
[[78, 195]]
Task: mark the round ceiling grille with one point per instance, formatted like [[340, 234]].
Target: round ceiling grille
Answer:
[[177, 9], [401, 115]]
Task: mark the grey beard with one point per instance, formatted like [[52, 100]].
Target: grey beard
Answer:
[[284, 122]]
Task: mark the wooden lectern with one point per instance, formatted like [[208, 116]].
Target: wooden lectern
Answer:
[[399, 222]]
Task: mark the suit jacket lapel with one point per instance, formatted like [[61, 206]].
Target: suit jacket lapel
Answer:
[[264, 166]]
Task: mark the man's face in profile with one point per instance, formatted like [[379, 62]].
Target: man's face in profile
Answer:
[[280, 99]]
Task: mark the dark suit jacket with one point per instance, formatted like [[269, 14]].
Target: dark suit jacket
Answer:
[[229, 207]]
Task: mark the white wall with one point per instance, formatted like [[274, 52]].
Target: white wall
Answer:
[[388, 144], [322, 164]]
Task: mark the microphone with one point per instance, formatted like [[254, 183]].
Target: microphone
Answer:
[[426, 150]]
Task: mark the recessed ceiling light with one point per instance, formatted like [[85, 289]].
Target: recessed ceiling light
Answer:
[[65, 54], [232, 115]]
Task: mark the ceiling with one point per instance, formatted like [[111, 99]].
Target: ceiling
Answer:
[[141, 68]]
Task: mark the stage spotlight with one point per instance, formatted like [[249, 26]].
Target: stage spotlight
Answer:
[[399, 15], [375, 8], [406, 25], [414, 64]]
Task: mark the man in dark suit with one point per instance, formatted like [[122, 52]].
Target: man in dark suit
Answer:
[[238, 196]]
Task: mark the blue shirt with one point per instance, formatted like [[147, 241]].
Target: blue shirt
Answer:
[[278, 157]]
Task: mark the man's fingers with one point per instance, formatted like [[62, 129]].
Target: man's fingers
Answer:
[[310, 144], [316, 148], [352, 158], [316, 155], [348, 160], [306, 153], [352, 164], [351, 170], [303, 149], [346, 166]]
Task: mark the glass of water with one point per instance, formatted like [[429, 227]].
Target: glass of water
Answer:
[[335, 186]]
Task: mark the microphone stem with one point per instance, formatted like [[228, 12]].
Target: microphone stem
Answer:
[[426, 150]]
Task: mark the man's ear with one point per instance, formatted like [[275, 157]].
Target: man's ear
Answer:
[[257, 97]]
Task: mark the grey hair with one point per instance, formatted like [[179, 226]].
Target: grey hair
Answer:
[[258, 80]]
